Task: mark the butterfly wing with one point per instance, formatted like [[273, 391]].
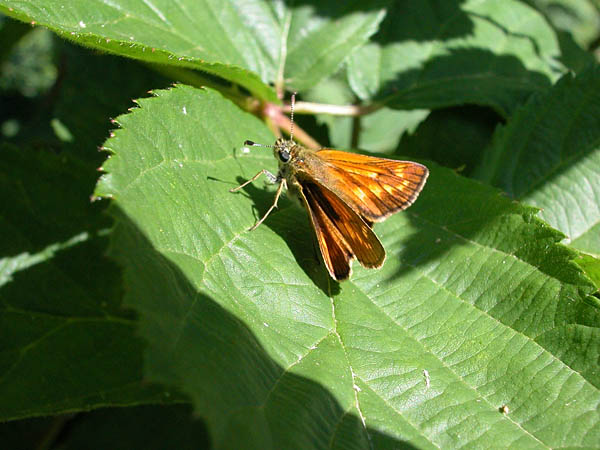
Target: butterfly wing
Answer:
[[373, 187], [341, 233], [334, 249]]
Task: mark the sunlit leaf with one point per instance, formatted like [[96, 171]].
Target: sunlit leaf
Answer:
[[548, 155], [477, 306], [447, 53], [579, 17], [251, 43]]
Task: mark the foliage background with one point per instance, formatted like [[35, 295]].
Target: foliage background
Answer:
[[151, 314]]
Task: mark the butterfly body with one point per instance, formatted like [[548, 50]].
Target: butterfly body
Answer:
[[344, 193]]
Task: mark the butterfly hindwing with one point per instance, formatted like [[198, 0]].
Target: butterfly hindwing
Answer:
[[335, 251], [341, 233]]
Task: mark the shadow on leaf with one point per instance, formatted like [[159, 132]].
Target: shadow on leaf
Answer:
[[198, 346], [291, 223], [472, 75]]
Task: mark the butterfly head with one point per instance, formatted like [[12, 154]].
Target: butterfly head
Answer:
[[284, 150]]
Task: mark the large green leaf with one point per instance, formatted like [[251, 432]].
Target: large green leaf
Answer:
[[452, 137], [28, 433], [11, 33], [477, 306], [85, 114], [578, 17], [65, 343], [147, 427], [250, 42], [29, 67], [591, 267], [548, 155], [446, 53]]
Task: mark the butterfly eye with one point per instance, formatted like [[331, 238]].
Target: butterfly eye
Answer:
[[284, 155]]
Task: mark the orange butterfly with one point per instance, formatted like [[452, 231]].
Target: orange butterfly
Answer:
[[344, 194]]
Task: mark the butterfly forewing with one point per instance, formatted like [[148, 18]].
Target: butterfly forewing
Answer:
[[373, 187]]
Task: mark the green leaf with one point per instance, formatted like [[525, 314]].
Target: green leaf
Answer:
[[576, 26], [29, 67], [11, 33], [28, 433], [452, 137], [548, 155], [82, 111], [575, 58], [578, 17], [446, 53], [249, 43], [476, 307], [147, 427], [381, 131], [591, 267], [62, 331]]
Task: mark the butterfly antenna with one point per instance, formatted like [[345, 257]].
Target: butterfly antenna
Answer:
[[254, 144], [292, 116]]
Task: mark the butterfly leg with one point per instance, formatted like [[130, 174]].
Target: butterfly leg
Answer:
[[282, 184], [272, 178]]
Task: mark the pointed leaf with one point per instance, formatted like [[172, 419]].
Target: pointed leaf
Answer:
[[591, 267], [258, 41], [147, 427], [452, 137], [548, 155], [446, 53], [62, 331], [476, 311], [579, 17]]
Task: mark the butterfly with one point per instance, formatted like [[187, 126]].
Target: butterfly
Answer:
[[344, 194]]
